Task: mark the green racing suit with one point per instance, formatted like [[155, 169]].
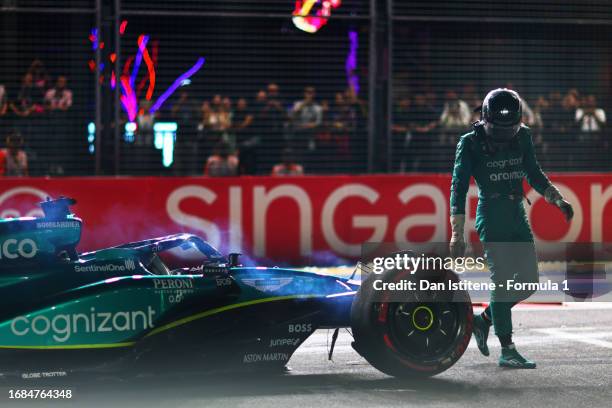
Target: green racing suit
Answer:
[[501, 220]]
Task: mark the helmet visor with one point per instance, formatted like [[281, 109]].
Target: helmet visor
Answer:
[[500, 133]]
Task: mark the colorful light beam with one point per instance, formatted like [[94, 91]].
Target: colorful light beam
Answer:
[[351, 62], [151, 69], [122, 27], [313, 23], [176, 84], [142, 44], [128, 99], [129, 92], [93, 37]]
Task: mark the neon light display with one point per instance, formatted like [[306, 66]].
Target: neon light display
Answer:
[[151, 68], [176, 84], [313, 23], [91, 138], [122, 27], [164, 134], [130, 130], [142, 44], [351, 62], [127, 81]]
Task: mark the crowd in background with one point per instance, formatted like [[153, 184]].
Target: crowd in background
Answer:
[[271, 133], [569, 129], [268, 134], [36, 116]]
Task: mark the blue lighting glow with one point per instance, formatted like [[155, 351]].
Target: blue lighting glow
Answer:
[[130, 131], [91, 138], [164, 139]]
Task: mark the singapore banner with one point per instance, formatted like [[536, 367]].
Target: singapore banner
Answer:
[[322, 219]]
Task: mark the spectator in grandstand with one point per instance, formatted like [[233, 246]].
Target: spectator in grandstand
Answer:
[[456, 114], [455, 120], [28, 101], [28, 109], [306, 117], [288, 166], [261, 99], [540, 112], [424, 122], [357, 104], [591, 121], [205, 116], [323, 138], [184, 112], [13, 159], [59, 98], [3, 100], [343, 122], [259, 109], [569, 105], [275, 111], [57, 101], [40, 77], [275, 100], [267, 129], [220, 118], [227, 115], [358, 108], [205, 142], [223, 163], [403, 115], [242, 120], [246, 140], [425, 118], [590, 118]]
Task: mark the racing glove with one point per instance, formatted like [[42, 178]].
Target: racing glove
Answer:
[[554, 196], [457, 242]]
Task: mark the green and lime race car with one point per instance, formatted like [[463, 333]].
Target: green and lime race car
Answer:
[[174, 303]]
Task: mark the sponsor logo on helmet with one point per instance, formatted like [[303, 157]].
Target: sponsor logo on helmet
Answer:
[[13, 249], [61, 327]]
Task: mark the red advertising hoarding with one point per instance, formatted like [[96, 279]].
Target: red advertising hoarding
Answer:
[[284, 219]]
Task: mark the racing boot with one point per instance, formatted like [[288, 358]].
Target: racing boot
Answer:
[[512, 359], [481, 334]]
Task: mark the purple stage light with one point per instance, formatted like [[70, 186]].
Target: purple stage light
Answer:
[[142, 44], [159, 102], [351, 62]]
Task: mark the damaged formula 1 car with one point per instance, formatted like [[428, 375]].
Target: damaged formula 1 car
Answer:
[[176, 303]]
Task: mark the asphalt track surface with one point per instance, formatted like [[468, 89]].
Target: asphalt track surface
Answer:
[[571, 344]]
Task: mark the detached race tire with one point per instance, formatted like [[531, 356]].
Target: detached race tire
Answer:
[[413, 334]]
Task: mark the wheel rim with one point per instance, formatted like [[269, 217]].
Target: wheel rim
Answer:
[[424, 331]]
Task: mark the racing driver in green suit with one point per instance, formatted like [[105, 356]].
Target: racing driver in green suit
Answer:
[[499, 153]]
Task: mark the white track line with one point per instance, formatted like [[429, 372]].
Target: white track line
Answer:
[[588, 338]]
